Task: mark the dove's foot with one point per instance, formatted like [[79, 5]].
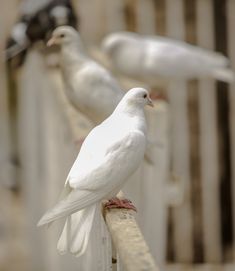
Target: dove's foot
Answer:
[[119, 203], [79, 142]]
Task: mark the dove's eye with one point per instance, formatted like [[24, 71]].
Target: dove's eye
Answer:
[[62, 35], [145, 96]]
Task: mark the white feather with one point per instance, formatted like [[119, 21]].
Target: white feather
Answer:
[[109, 155], [89, 86], [76, 232], [156, 60]]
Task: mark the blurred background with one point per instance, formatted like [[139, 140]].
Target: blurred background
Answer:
[[185, 200]]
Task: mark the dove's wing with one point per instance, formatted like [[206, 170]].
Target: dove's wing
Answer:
[[96, 174], [103, 149], [171, 58]]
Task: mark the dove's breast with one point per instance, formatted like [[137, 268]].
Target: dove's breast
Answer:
[[93, 91]]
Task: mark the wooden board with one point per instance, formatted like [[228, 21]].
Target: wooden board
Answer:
[[177, 92], [209, 142]]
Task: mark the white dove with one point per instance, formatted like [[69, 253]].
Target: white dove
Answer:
[[111, 152], [88, 85], [156, 60]]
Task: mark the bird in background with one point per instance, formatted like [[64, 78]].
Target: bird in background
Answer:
[[37, 25], [158, 60], [111, 152], [88, 85]]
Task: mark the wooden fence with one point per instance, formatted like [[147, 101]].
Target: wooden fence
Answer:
[[197, 226]]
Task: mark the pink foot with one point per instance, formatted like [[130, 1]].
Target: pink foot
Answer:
[[120, 203], [79, 142]]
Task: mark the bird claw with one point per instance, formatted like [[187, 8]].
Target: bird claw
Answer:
[[119, 203], [79, 142]]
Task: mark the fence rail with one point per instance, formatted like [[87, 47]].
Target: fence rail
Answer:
[[129, 242], [132, 251]]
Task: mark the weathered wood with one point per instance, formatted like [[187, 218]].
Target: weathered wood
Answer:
[[160, 20], [224, 140], [130, 15], [208, 142], [145, 24], [231, 52], [91, 30], [182, 215], [114, 16], [128, 240], [153, 216], [194, 136], [7, 166]]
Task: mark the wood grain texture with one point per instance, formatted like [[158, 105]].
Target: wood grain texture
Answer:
[[208, 142], [128, 240]]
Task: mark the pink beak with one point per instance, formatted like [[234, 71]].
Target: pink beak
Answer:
[[150, 102], [51, 41]]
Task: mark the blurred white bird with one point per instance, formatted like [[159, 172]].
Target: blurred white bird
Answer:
[[89, 86], [156, 60], [109, 155]]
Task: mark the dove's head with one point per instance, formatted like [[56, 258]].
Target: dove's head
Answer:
[[137, 97], [64, 35]]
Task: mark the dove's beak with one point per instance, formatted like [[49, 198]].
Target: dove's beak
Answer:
[[51, 41], [150, 102]]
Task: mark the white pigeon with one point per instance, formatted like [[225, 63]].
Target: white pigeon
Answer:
[[156, 60], [111, 152], [88, 85]]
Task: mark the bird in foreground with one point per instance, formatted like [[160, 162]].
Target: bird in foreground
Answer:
[[88, 85], [156, 60], [111, 152]]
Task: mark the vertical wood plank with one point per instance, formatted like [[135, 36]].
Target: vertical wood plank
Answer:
[[223, 105], [160, 21], [114, 15], [177, 92], [154, 182], [231, 53], [7, 177], [194, 130], [29, 152], [8, 133], [145, 17], [92, 20], [209, 142], [130, 14]]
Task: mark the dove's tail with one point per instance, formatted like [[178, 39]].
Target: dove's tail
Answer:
[[224, 74], [76, 232]]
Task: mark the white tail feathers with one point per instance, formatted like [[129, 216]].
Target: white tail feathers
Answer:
[[224, 74], [76, 232], [216, 59]]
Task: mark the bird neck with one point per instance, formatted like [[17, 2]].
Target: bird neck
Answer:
[[134, 112], [72, 54]]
